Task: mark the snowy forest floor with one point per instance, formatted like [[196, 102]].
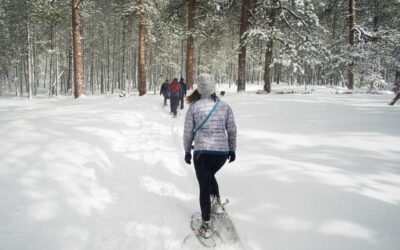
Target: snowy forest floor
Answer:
[[313, 172]]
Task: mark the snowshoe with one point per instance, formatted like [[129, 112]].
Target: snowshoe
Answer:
[[222, 224], [204, 233]]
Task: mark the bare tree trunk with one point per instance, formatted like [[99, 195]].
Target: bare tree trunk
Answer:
[[278, 73], [1, 88], [269, 51], [17, 94], [244, 25], [108, 65], [102, 89], [397, 80], [114, 78], [124, 49], [29, 54], [35, 76], [198, 60], [91, 47], [51, 62], [141, 63], [21, 76], [45, 73], [8, 81], [350, 75], [190, 43], [69, 70], [395, 99], [77, 50], [57, 77], [397, 84], [182, 56], [267, 68], [134, 70]]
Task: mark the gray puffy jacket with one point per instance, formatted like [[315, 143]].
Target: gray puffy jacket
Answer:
[[218, 133]]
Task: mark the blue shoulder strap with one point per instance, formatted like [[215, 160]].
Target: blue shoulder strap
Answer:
[[206, 119]]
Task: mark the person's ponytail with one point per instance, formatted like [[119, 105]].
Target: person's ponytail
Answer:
[[193, 97]]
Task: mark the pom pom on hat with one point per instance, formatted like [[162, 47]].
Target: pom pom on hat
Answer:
[[205, 84]]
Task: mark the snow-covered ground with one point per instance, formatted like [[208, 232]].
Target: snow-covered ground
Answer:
[[313, 172]]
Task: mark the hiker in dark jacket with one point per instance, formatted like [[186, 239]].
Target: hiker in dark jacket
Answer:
[[182, 93], [174, 90], [164, 91], [214, 142]]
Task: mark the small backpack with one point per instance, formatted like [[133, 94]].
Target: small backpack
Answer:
[[174, 88]]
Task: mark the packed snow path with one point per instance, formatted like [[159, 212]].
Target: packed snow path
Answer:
[[312, 172]]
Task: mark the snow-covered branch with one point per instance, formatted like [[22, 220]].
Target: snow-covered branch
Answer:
[[289, 25], [297, 17]]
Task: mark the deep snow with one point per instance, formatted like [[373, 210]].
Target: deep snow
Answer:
[[313, 172]]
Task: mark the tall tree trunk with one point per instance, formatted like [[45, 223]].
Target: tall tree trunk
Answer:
[[141, 63], [35, 67], [350, 75], [91, 47], [29, 50], [57, 76], [22, 75], [190, 43], [102, 89], [182, 56], [8, 80], [134, 71], [51, 63], [114, 64], [108, 64], [244, 25], [397, 80], [69, 70], [198, 60], [45, 73], [124, 49], [77, 50], [269, 50], [397, 83], [17, 94]]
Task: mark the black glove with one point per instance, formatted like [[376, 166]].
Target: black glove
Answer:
[[231, 156], [188, 157]]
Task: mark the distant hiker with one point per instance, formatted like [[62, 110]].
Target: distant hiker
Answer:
[[182, 93], [214, 142], [174, 90], [164, 91]]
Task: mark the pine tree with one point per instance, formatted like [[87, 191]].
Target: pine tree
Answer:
[[351, 21], [244, 25], [77, 50], [191, 9], [141, 55]]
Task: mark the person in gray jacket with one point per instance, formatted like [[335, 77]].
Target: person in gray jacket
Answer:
[[214, 143]]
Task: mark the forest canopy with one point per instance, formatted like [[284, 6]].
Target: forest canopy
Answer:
[[133, 45]]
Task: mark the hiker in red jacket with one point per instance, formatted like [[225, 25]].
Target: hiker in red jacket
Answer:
[[174, 90]]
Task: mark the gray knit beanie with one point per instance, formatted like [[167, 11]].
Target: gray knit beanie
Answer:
[[205, 84]]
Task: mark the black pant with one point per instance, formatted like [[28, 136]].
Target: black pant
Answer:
[[165, 100], [182, 100], [174, 102], [206, 167]]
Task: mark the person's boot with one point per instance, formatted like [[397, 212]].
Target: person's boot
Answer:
[[205, 230]]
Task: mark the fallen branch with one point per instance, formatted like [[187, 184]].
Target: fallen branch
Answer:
[[395, 99]]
